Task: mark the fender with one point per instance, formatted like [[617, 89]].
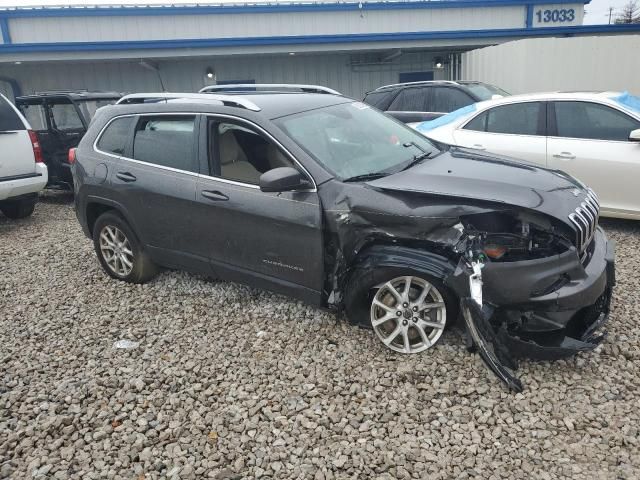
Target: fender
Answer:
[[116, 206]]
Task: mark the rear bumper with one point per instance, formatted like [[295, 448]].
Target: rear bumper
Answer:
[[16, 187]]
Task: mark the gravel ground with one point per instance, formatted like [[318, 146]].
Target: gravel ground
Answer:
[[231, 382]]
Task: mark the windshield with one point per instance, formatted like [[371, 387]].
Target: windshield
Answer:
[[353, 139], [90, 107], [484, 91]]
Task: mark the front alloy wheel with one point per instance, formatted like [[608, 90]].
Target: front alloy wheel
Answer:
[[408, 314], [116, 250]]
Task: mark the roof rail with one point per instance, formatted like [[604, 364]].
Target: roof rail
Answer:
[[423, 82], [268, 87], [227, 100]]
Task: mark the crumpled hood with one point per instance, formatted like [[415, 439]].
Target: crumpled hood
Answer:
[[467, 173]]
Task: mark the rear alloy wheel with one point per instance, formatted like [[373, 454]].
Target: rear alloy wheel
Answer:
[[116, 251], [408, 314], [119, 250]]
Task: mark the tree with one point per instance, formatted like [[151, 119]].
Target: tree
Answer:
[[630, 13]]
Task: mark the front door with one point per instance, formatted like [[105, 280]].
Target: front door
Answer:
[[274, 239], [515, 130], [591, 142]]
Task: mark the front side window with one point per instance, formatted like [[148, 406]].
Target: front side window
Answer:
[[593, 121], [166, 140], [448, 99], [115, 137], [243, 155], [65, 117], [514, 119], [410, 100], [352, 139]]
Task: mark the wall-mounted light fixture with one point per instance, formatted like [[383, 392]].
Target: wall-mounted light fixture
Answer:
[[438, 63], [210, 74]]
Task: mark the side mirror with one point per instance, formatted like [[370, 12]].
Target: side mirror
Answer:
[[634, 136], [282, 179]]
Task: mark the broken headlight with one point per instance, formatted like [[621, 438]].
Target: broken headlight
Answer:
[[508, 237]]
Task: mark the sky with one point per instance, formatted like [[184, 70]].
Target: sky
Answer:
[[597, 10]]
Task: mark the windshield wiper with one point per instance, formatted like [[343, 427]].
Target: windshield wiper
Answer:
[[366, 176]]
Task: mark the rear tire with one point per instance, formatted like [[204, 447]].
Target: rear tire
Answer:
[[16, 209], [119, 251]]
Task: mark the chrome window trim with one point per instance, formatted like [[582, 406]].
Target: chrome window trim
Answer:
[[224, 180]]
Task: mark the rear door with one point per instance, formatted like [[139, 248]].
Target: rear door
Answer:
[[273, 238], [155, 181], [16, 152], [515, 130], [591, 142], [36, 113]]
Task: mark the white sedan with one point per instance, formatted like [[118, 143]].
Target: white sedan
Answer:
[[593, 136]]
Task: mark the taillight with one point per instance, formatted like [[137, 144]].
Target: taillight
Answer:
[[35, 143], [72, 156]]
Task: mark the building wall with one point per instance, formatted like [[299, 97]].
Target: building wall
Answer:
[[548, 64], [352, 75]]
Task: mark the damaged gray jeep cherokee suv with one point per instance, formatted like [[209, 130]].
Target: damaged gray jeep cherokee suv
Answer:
[[328, 200]]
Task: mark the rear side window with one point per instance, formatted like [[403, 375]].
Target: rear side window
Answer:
[[9, 119], [168, 141], [411, 100], [446, 99], [593, 121], [35, 115], [516, 119], [115, 137], [65, 116]]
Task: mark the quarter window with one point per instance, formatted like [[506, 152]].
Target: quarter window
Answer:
[[410, 100], [593, 121], [114, 139], [244, 155], [447, 99], [168, 141], [9, 120], [515, 119]]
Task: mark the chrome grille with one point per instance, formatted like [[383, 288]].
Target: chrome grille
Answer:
[[585, 218]]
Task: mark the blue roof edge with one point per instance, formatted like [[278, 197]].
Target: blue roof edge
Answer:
[[150, 10]]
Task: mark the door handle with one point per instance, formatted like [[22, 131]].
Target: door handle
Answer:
[[477, 146], [564, 156], [126, 177], [214, 195]]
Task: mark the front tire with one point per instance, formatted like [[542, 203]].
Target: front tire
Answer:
[[17, 209], [119, 251], [407, 309]]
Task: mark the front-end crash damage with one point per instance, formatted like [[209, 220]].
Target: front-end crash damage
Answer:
[[525, 290]]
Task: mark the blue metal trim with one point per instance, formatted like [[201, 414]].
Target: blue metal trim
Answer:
[[264, 8], [529, 23], [4, 28], [314, 39]]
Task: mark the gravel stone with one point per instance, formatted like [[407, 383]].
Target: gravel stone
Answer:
[[231, 382]]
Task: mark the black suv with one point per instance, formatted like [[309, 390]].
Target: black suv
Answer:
[[420, 101], [325, 199], [60, 119]]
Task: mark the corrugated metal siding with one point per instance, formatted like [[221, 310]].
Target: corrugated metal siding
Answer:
[[548, 64], [334, 71], [114, 28]]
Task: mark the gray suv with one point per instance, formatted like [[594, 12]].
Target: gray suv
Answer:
[[327, 200]]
